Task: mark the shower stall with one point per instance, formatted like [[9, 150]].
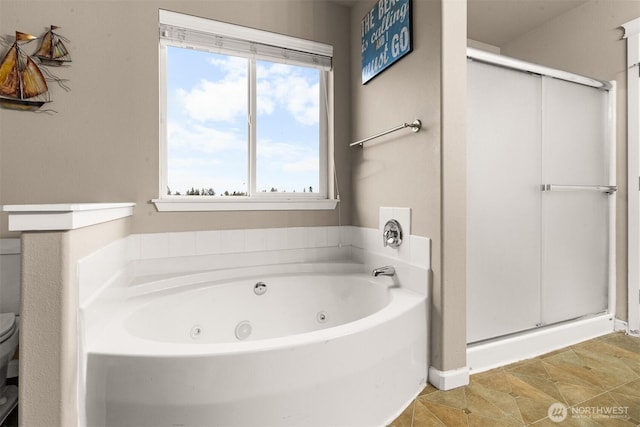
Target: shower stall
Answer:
[[540, 197]]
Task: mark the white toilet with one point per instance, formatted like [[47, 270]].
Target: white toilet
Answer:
[[9, 310]]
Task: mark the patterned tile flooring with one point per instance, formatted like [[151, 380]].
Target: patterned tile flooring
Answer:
[[597, 382]]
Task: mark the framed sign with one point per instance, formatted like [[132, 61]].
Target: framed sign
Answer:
[[385, 36]]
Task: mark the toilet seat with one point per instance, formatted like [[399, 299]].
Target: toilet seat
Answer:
[[7, 325]]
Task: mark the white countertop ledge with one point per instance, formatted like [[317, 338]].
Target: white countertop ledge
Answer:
[[64, 216]]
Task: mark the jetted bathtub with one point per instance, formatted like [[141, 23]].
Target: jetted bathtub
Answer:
[[292, 348]]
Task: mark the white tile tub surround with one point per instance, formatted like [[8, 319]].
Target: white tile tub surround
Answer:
[[142, 255], [402, 215], [121, 262], [216, 242], [210, 250], [138, 258], [103, 268], [412, 260]]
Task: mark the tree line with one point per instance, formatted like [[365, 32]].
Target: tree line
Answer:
[[211, 192]]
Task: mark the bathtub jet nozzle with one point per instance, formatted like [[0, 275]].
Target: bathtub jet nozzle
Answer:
[[260, 288]]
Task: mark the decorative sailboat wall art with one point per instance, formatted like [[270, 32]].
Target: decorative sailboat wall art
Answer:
[[23, 85], [52, 50]]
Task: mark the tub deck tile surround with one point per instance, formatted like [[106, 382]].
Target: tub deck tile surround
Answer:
[[594, 375]]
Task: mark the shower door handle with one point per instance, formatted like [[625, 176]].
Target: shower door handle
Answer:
[[609, 189]]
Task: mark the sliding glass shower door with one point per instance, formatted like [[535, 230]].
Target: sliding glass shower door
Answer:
[[538, 201], [575, 203], [503, 201]]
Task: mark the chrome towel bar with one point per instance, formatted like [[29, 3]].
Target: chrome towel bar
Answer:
[[415, 126], [609, 189]]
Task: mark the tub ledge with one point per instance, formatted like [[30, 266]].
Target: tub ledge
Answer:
[[64, 216]]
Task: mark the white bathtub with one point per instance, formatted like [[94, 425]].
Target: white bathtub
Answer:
[[315, 349]]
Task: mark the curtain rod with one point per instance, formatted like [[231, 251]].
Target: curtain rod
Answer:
[[415, 126]]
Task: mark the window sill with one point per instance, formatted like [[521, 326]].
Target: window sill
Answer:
[[205, 204]]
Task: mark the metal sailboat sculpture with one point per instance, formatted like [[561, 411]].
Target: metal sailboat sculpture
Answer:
[[22, 84], [52, 51]]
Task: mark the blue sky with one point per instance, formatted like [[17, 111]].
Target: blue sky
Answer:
[[207, 130]]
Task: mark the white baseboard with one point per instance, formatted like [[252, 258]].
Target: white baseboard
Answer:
[[447, 380], [503, 351], [620, 325]]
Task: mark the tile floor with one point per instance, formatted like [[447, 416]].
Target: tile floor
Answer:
[[597, 381]]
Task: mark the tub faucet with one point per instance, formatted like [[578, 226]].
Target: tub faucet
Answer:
[[387, 270]]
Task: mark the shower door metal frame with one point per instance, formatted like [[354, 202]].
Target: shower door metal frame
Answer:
[[610, 88]]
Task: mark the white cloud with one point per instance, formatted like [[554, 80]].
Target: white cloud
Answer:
[[207, 142], [233, 65], [287, 157], [302, 100], [279, 150], [274, 68], [202, 157], [279, 85], [204, 139], [191, 163], [308, 164], [222, 100], [264, 97], [219, 101], [284, 86]]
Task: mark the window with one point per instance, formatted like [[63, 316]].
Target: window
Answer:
[[244, 118]]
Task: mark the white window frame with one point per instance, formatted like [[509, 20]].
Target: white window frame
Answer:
[[263, 45]]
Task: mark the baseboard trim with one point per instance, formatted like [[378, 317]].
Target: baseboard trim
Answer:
[[620, 325], [447, 380]]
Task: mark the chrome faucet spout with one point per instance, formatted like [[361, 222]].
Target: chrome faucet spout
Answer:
[[387, 270]]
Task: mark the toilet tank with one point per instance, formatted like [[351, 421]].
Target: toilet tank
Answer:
[[10, 276]]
